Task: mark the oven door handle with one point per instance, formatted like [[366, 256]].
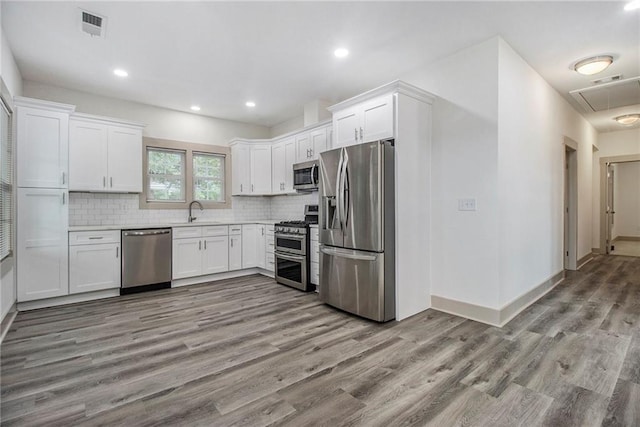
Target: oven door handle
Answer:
[[290, 257], [299, 237]]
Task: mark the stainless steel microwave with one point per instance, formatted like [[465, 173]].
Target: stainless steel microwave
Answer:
[[305, 176]]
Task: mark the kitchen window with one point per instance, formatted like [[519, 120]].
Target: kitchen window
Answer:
[[176, 173], [6, 182]]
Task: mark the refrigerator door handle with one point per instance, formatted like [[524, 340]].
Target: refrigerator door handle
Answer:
[[339, 191], [347, 254], [343, 191]]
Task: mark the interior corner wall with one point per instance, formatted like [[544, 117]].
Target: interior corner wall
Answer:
[[610, 144], [160, 122], [464, 165], [533, 122], [291, 125]]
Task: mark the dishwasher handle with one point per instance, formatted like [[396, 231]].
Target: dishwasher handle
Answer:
[[145, 232]]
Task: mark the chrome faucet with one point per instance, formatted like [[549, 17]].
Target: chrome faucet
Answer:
[[191, 217]]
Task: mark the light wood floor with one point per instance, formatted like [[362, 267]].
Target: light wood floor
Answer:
[[252, 352], [626, 247]]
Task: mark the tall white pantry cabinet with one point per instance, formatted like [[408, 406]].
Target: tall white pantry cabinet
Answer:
[[42, 140]]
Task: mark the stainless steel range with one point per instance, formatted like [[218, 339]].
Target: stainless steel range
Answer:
[[292, 251]]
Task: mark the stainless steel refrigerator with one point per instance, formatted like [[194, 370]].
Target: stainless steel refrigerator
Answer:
[[357, 229]]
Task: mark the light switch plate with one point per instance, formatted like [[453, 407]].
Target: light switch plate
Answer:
[[466, 204]]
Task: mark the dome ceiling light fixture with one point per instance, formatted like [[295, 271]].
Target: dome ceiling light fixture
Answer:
[[628, 119], [593, 65]]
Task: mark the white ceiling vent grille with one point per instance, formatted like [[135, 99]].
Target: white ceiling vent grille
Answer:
[[607, 96], [607, 79], [92, 24]]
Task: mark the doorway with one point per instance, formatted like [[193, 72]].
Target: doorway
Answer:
[[570, 205], [620, 205]]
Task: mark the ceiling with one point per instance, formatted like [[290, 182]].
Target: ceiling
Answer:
[[280, 54]]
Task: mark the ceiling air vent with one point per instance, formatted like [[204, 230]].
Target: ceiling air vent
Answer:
[[607, 79], [607, 96], [92, 24]]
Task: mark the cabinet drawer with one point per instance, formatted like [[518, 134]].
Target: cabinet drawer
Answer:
[[215, 230], [186, 232], [270, 229], [93, 237], [313, 232], [235, 229], [270, 241]]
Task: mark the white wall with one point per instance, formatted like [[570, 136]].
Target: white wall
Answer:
[[287, 126], [533, 121], [610, 144], [12, 79], [627, 200], [161, 122], [464, 165]]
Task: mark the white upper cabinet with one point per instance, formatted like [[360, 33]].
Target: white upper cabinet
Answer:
[[104, 155], [251, 169], [310, 144], [42, 143], [367, 121], [283, 157]]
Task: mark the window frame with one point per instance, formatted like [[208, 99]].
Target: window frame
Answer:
[[194, 176], [189, 148], [183, 175], [7, 105]]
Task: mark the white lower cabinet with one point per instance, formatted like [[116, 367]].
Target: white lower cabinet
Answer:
[[42, 243], [235, 247], [94, 261], [249, 245], [315, 257], [261, 242], [206, 253], [269, 247]]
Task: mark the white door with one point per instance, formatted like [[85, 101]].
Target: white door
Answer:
[[249, 243], [94, 267], [346, 124], [43, 148], [303, 144], [377, 119], [240, 170], [278, 168], [261, 169], [290, 160], [611, 211], [186, 258], [42, 243], [215, 257], [261, 243], [125, 160], [318, 140], [87, 156], [235, 252]]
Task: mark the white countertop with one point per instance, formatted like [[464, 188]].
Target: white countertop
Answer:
[[168, 225]]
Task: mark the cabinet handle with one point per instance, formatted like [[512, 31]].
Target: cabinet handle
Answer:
[[63, 177], [111, 181], [205, 245], [232, 242], [262, 229], [104, 181], [310, 152], [117, 251], [355, 132], [252, 188], [360, 134], [96, 238], [199, 245], [241, 188], [64, 198]]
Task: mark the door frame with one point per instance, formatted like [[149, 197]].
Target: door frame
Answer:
[[604, 223], [570, 205]]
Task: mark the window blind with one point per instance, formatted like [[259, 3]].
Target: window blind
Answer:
[[6, 182]]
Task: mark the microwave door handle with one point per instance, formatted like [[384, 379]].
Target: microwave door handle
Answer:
[[313, 180]]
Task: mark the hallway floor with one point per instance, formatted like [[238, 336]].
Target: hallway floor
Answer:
[[250, 352], [627, 248]]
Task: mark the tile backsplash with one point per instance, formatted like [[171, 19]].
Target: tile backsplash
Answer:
[[116, 209]]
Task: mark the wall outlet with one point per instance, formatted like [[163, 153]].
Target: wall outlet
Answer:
[[466, 204]]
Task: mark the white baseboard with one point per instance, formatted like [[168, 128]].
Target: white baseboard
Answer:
[[494, 316], [7, 321], [219, 276], [68, 299]]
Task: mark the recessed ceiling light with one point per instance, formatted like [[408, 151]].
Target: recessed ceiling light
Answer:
[[341, 52], [195, 108], [593, 65], [632, 5], [250, 104], [120, 72], [628, 119]]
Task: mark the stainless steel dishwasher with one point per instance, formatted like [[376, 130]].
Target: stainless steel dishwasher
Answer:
[[146, 260]]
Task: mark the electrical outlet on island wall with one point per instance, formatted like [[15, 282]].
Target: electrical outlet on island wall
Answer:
[[467, 204]]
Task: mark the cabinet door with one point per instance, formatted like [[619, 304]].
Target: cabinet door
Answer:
[[240, 170], [290, 160], [318, 142], [261, 243], [235, 252], [43, 148], [278, 165], [377, 119], [261, 169], [42, 243], [215, 257], [346, 124], [125, 160], [87, 156], [94, 267], [249, 243], [186, 258], [303, 144]]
